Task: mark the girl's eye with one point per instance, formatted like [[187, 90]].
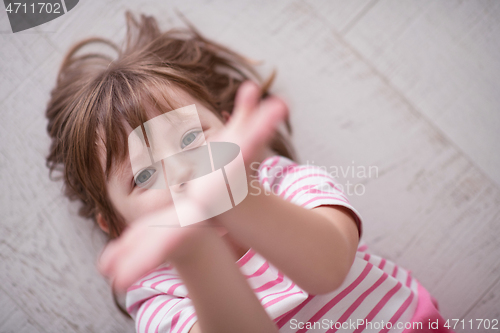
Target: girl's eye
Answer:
[[189, 138], [144, 176]]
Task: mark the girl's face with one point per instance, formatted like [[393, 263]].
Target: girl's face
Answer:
[[131, 186]]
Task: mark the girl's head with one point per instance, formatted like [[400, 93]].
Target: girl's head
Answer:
[[99, 99]]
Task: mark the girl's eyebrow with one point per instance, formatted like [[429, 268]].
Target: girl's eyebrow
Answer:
[[139, 154], [158, 131]]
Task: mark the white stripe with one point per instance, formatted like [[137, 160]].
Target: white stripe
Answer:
[[161, 315]]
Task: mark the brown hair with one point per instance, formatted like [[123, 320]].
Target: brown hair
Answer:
[[97, 94]]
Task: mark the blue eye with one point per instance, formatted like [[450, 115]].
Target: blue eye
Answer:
[[189, 138], [144, 176]]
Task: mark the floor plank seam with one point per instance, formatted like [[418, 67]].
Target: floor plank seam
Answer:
[[405, 100]]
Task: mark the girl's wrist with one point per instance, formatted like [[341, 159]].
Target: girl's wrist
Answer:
[[197, 242]]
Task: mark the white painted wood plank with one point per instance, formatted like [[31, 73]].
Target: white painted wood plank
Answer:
[[341, 14], [4, 23], [47, 253], [13, 319], [488, 308], [443, 57]]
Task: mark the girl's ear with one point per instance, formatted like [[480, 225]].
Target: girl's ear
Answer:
[[102, 223], [225, 116]]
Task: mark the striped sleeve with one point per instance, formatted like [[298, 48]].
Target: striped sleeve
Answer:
[[308, 186], [276, 292], [159, 303]]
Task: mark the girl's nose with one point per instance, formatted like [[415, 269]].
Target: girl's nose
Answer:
[[179, 188]]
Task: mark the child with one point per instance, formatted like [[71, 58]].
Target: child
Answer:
[[294, 238]]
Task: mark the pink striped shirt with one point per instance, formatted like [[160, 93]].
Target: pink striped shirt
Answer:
[[376, 296]]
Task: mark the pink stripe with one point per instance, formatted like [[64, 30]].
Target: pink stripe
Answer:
[[334, 186], [159, 282], [382, 264], [173, 306], [301, 178], [171, 290], [246, 258], [379, 306], [285, 171], [130, 308], [340, 296], [316, 191], [134, 287], [400, 311], [169, 267], [289, 315], [367, 257], [408, 280], [326, 197], [155, 312], [279, 292], [362, 248], [175, 319], [264, 162], [276, 300], [139, 302], [305, 187], [260, 271], [395, 271], [276, 160], [359, 300], [143, 312], [305, 167], [138, 286], [270, 284], [166, 268], [151, 278], [186, 321], [291, 169]]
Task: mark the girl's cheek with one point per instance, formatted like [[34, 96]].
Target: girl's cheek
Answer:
[[154, 200]]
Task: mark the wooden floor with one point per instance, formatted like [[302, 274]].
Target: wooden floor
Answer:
[[405, 89]]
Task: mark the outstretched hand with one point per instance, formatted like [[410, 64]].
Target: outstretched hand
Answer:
[[142, 247], [253, 122]]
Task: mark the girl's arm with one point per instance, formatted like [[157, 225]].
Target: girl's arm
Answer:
[[223, 300], [315, 248]]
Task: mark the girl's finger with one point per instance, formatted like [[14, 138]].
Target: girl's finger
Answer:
[[262, 126], [246, 100], [107, 259], [135, 264]]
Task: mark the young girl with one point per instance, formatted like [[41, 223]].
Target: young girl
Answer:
[[285, 259]]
